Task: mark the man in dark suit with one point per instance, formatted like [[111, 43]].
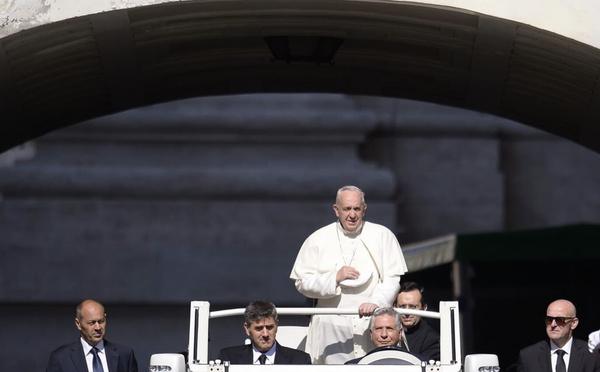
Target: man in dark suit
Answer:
[[560, 352], [92, 353], [421, 338], [387, 333], [260, 325]]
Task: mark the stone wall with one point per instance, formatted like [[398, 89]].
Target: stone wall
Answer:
[[211, 199]]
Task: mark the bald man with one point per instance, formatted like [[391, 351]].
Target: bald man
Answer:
[[92, 353], [560, 352]]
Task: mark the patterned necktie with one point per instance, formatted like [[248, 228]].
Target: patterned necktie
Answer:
[[96, 363], [262, 359], [560, 362]]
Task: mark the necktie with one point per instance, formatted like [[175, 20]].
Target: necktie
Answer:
[[262, 359], [96, 363], [560, 362]]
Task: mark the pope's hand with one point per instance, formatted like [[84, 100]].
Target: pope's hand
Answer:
[[346, 272], [366, 309]]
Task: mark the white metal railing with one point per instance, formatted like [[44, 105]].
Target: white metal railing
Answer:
[[450, 343], [320, 311]]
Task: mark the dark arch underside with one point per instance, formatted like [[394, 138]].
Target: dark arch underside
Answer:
[[62, 73]]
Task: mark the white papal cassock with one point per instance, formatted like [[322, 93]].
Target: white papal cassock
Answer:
[[335, 339]]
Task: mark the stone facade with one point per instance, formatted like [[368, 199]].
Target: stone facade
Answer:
[[211, 199]]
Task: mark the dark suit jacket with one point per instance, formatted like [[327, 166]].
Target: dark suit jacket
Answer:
[[283, 355], [70, 358], [536, 358], [423, 340]]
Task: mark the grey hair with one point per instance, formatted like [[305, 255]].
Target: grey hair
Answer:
[[386, 311], [258, 310], [338, 195]]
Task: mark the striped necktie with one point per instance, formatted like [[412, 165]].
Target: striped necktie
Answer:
[[96, 363]]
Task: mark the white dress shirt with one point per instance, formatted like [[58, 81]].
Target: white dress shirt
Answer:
[[89, 357], [566, 357], [270, 355]]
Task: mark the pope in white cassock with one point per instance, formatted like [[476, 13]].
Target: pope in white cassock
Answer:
[[350, 263]]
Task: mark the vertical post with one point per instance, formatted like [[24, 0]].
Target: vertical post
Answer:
[[450, 342], [462, 274], [198, 333]]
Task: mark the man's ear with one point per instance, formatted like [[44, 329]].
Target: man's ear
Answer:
[[574, 323], [77, 324], [246, 329], [335, 210]]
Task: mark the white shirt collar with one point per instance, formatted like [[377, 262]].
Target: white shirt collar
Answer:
[[270, 354], [87, 347], [566, 347], [350, 234]]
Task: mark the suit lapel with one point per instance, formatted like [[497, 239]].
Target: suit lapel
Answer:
[[280, 356], [78, 358], [576, 357], [247, 354], [544, 357], [112, 356]]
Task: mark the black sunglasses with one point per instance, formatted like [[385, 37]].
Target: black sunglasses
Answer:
[[560, 320]]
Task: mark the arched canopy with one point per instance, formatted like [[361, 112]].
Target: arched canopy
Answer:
[[67, 71]]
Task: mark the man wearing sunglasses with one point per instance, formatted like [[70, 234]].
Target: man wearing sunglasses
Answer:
[[561, 352]]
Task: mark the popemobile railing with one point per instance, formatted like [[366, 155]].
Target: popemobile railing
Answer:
[[448, 314]]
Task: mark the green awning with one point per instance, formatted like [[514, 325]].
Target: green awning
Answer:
[[430, 253], [571, 242]]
